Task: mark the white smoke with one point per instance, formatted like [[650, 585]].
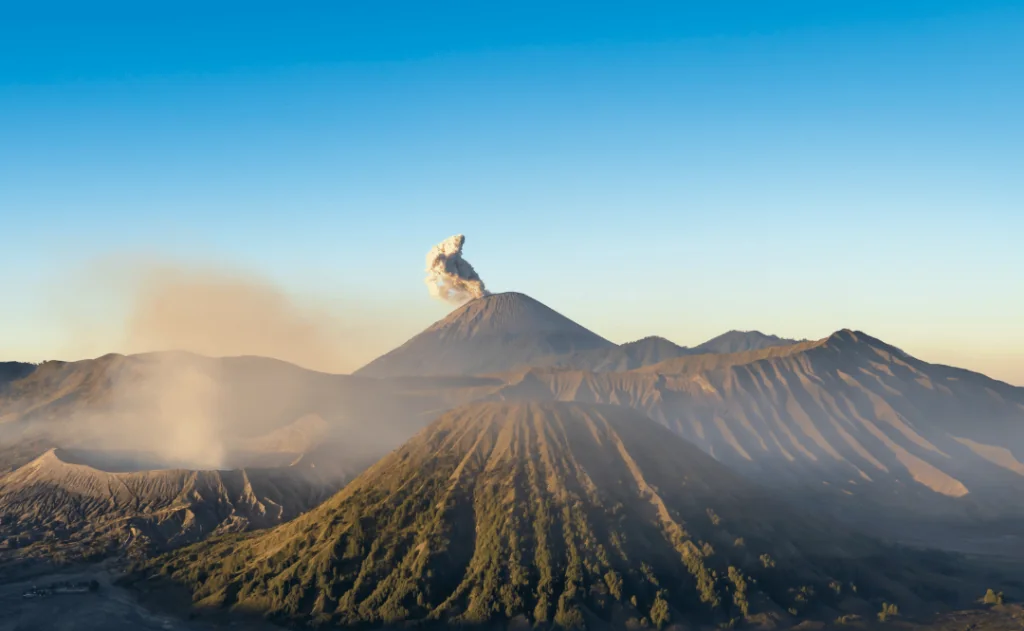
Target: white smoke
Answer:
[[449, 276]]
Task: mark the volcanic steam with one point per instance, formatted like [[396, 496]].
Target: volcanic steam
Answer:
[[449, 276]]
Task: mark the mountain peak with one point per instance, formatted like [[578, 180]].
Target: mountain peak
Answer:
[[508, 313], [653, 340], [739, 341], [850, 338], [494, 333]]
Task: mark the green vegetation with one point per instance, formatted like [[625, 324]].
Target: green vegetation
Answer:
[[544, 511], [739, 594], [659, 611], [888, 611]]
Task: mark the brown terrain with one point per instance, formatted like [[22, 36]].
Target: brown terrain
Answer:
[[134, 455]]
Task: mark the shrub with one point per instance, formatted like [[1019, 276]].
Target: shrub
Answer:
[[614, 582], [888, 611], [659, 611], [739, 596], [993, 598]]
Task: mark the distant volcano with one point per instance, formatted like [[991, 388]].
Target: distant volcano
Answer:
[[492, 334]]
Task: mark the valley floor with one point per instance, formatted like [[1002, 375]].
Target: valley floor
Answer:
[[110, 608], [116, 608]]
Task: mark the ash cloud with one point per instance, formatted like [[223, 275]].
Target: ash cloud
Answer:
[[449, 276]]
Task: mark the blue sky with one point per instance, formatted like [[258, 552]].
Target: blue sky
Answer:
[[645, 168]]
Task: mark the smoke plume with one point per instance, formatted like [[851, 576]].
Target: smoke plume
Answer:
[[449, 276]]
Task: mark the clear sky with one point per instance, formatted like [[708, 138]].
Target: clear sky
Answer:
[[672, 168]]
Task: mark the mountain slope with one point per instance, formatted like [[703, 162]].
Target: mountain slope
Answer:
[[848, 415], [739, 342], [578, 514], [629, 356], [74, 508], [492, 334]]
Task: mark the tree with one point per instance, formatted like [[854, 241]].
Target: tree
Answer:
[[888, 611], [739, 595], [659, 611], [614, 582]]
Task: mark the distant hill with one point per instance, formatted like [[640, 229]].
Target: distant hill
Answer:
[[643, 352], [739, 342], [493, 334], [655, 351], [580, 515]]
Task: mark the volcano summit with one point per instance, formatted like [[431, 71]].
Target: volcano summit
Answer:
[[495, 333]]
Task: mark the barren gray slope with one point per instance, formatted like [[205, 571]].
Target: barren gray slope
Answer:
[[76, 509]]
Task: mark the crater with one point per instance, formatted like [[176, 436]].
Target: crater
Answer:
[[128, 461]]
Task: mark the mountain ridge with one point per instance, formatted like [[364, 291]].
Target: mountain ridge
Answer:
[[572, 514], [848, 419], [736, 341], [92, 511]]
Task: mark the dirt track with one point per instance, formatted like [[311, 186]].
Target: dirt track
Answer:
[[111, 608]]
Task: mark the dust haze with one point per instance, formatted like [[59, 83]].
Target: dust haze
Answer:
[[219, 314], [172, 407], [167, 411]]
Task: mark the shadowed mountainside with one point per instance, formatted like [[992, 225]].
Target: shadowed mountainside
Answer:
[[581, 515], [739, 342], [12, 371]]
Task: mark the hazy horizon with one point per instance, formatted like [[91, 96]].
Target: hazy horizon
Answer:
[[298, 333], [674, 171]]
